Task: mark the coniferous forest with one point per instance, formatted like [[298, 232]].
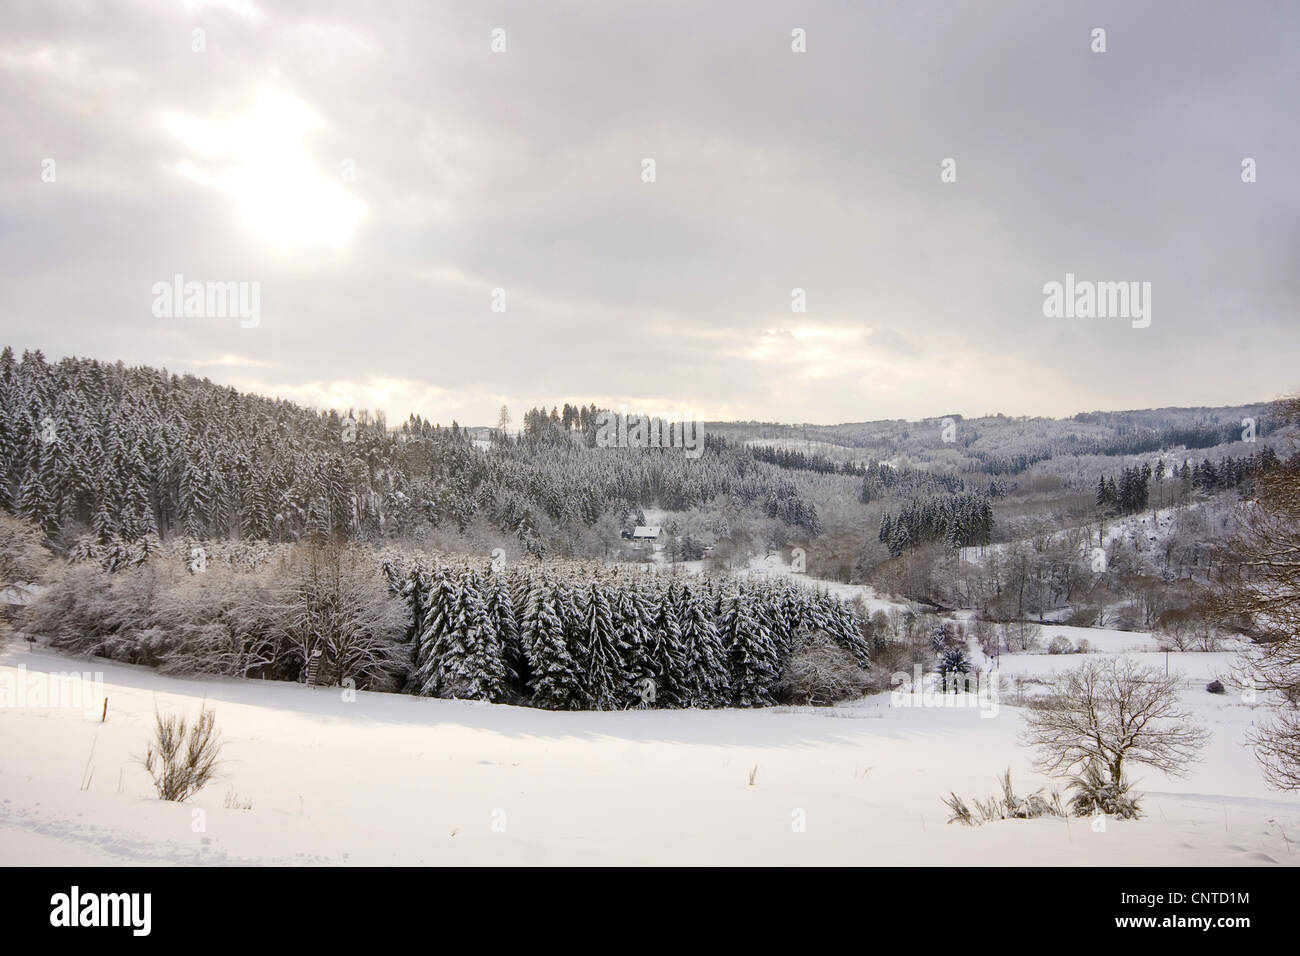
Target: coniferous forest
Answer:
[[212, 531], [128, 452]]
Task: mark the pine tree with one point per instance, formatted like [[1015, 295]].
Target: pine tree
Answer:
[[555, 681], [608, 682], [193, 504], [845, 628], [703, 651], [414, 591], [438, 613], [468, 660], [770, 608], [501, 613], [34, 499], [954, 662], [631, 627], [668, 664], [752, 658]]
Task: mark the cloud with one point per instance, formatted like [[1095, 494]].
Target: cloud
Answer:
[[891, 340], [381, 175], [260, 160]]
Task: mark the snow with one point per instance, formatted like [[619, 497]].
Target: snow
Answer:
[[20, 593], [1127, 529], [774, 565], [391, 779]]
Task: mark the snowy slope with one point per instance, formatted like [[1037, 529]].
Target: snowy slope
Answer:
[[390, 779]]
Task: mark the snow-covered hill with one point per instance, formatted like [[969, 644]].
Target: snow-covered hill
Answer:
[[390, 779]]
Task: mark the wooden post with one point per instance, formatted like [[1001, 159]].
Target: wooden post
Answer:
[[104, 716]]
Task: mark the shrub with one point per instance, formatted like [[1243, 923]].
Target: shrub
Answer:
[[23, 555], [1216, 687], [86, 610], [960, 811], [182, 759], [1007, 806], [1060, 645], [1083, 647], [237, 618], [1094, 792], [954, 662], [1082, 616], [820, 672]]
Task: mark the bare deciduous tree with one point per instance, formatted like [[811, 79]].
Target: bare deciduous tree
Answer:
[[820, 672], [1265, 590], [1113, 711], [333, 600]]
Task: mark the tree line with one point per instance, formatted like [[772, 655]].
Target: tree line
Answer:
[[960, 521], [1132, 492], [129, 452], [585, 637]]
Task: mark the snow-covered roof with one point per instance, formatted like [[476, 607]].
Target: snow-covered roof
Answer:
[[646, 531]]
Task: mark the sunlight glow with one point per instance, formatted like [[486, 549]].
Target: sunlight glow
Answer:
[[261, 161]]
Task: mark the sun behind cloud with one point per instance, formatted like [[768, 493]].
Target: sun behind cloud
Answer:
[[261, 161]]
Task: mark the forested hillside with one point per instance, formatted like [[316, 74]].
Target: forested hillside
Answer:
[[101, 455], [129, 452]]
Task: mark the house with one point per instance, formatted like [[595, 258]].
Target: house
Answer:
[[14, 597], [645, 533]]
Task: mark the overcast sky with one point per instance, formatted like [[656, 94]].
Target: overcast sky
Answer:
[[379, 171]]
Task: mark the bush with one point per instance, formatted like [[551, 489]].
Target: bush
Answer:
[[1216, 687], [954, 665], [181, 759], [1007, 806], [820, 672], [1083, 615], [23, 555], [1095, 793], [235, 619], [86, 610], [1083, 647], [1060, 645], [961, 813]]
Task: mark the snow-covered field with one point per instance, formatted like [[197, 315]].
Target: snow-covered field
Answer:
[[775, 565], [390, 779]]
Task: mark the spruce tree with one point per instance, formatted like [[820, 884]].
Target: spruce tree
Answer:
[[666, 654], [438, 613], [501, 615], [705, 657], [752, 658], [631, 626], [554, 679], [605, 668], [467, 659]]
